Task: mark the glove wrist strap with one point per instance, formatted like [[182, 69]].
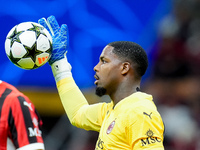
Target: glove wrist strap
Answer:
[[61, 69]]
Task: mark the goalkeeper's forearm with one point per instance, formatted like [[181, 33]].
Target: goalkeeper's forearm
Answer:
[[70, 95]]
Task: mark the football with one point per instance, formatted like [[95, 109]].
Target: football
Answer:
[[28, 45]]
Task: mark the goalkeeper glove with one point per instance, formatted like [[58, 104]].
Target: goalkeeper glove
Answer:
[[58, 60]]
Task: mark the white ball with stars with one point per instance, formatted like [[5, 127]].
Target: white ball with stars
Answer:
[[28, 45]]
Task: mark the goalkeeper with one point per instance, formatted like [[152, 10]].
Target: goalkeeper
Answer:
[[131, 120]]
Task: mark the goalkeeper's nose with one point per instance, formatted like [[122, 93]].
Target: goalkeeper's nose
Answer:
[[96, 68]]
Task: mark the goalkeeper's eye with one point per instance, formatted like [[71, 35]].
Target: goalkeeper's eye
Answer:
[[103, 61]]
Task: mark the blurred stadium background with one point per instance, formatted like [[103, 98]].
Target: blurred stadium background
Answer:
[[169, 31]]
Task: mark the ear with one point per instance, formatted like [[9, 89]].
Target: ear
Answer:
[[125, 68]]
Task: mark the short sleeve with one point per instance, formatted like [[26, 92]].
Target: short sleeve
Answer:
[[145, 130], [25, 124]]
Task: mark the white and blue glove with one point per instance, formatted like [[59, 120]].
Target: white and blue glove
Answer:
[[58, 60]]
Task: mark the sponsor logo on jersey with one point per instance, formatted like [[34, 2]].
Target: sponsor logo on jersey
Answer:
[[99, 144], [35, 121], [150, 139], [110, 127], [34, 132], [149, 133]]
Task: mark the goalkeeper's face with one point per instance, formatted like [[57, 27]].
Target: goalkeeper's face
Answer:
[[108, 72]]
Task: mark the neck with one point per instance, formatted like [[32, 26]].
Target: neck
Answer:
[[122, 93]]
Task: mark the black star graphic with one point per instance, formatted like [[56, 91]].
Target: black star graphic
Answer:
[[13, 59], [37, 29], [32, 52], [14, 37]]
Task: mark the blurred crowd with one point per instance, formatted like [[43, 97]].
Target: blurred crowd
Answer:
[[175, 75]]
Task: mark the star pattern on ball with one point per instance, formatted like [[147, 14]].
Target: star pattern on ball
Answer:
[[14, 37], [32, 52], [13, 59], [37, 29]]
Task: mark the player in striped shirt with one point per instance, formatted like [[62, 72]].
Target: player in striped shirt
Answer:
[[20, 123], [131, 120]]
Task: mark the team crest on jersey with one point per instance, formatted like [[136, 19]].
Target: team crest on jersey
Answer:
[[110, 127]]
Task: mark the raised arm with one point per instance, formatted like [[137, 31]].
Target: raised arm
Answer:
[[74, 102]]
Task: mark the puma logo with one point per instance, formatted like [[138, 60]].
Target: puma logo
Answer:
[[149, 115], [28, 105]]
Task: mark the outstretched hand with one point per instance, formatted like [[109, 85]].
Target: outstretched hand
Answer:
[[59, 38]]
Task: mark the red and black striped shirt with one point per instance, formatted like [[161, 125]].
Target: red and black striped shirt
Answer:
[[19, 120]]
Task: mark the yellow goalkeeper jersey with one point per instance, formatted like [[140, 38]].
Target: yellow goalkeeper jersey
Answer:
[[133, 124]]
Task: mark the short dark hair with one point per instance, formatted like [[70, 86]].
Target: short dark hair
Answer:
[[131, 51]]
